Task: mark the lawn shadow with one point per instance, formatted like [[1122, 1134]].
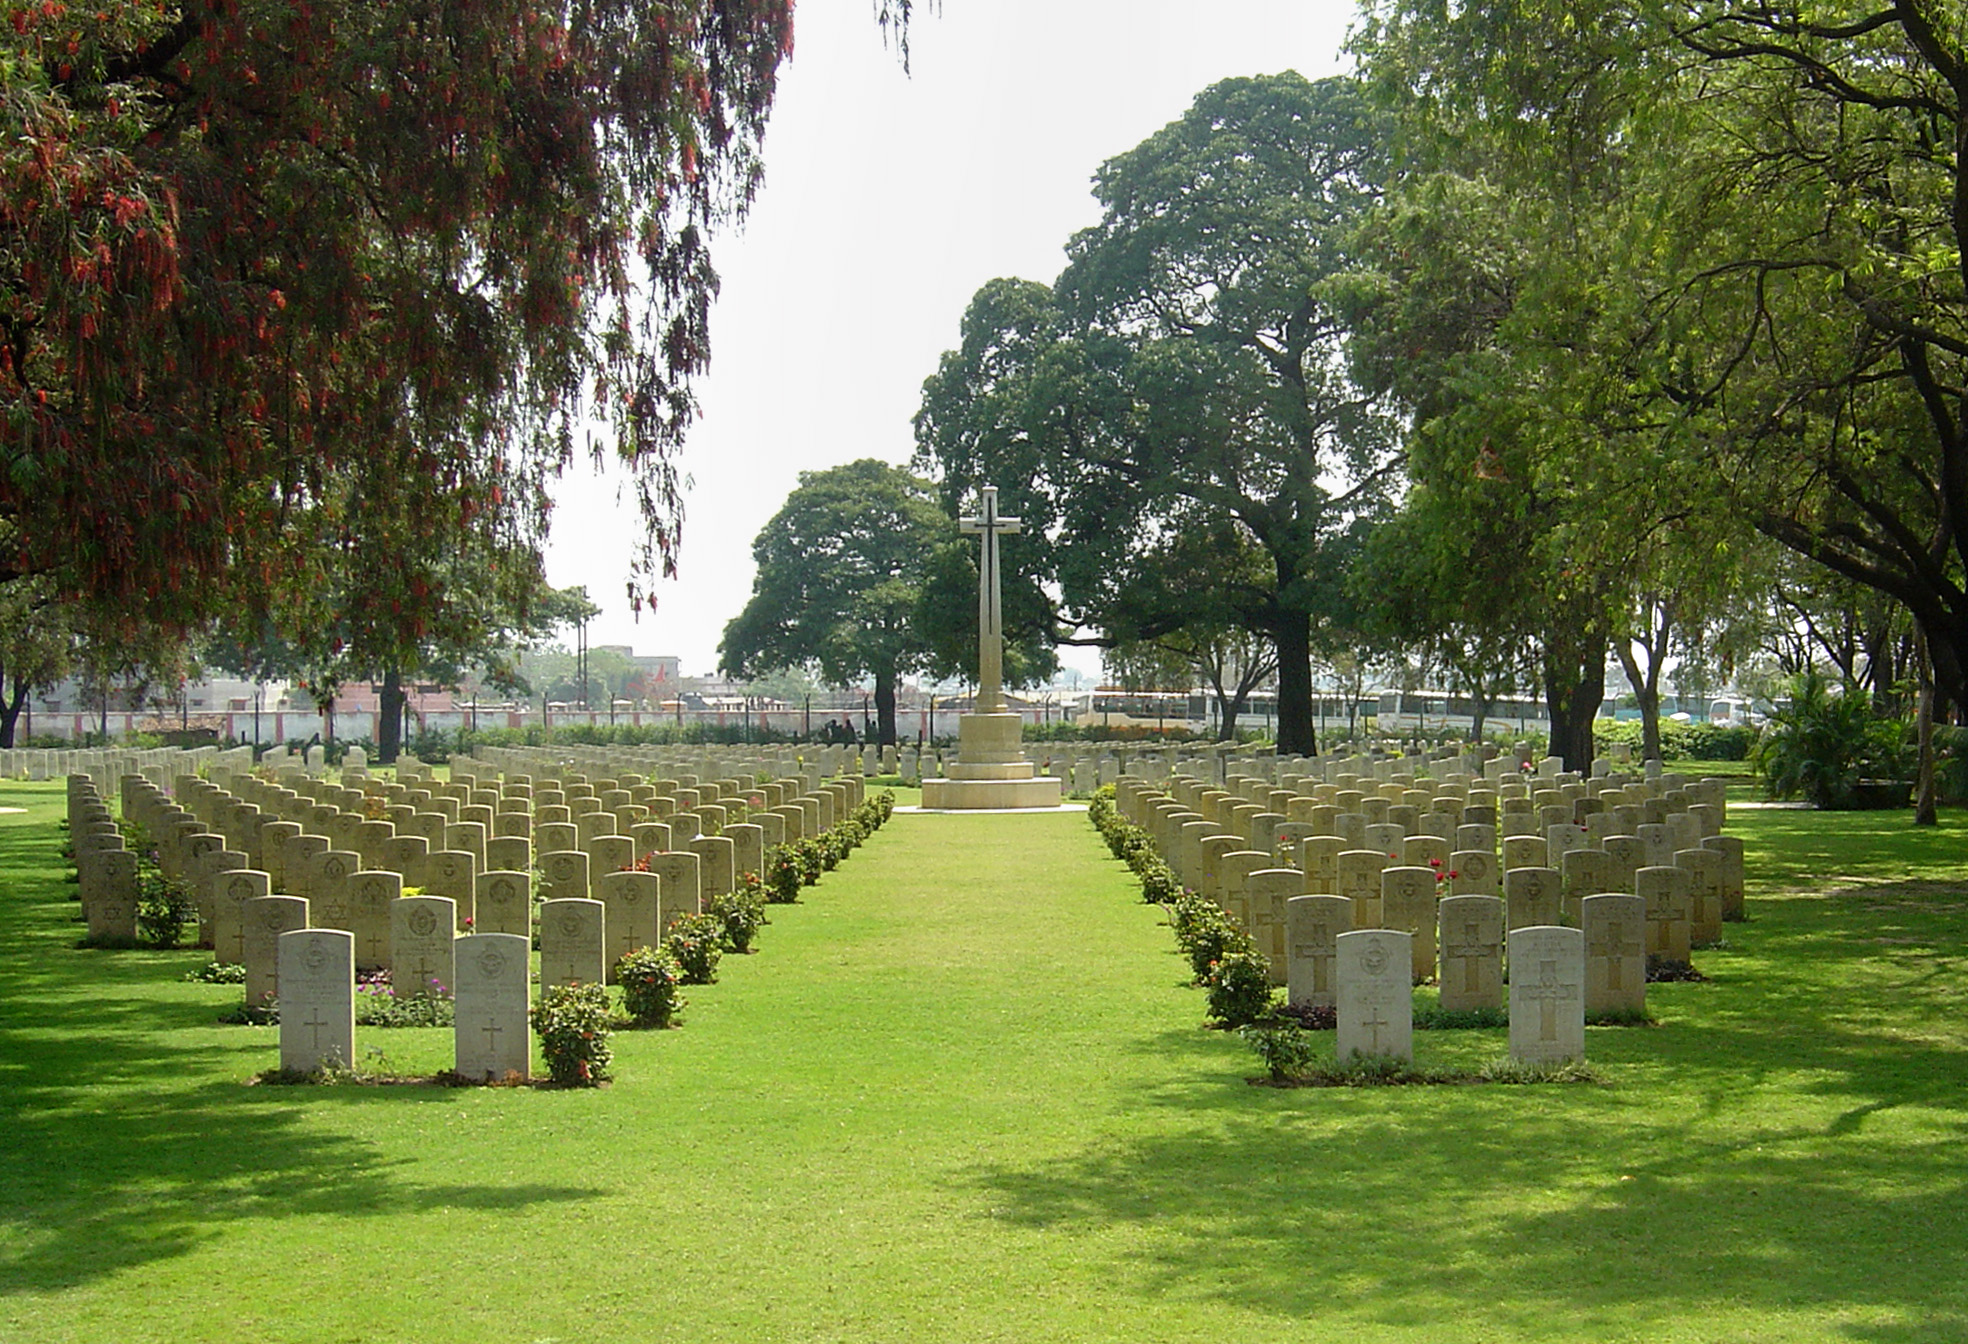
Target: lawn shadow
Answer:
[[129, 1135], [1780, 1144]]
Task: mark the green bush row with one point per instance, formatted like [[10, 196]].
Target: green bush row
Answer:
[[1679, 741]]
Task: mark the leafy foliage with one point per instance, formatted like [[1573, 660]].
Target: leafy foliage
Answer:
[[842, 573], [1179, 403], [650, 977], [273, 273], [1821, 744], [572, 1022]]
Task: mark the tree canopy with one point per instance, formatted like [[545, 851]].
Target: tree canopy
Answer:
[[843, 571], [275, 276], [1186, 377]]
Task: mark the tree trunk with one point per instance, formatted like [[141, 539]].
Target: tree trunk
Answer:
[[1925, 811], [1574, 688], [1296, 735], [885, 706], [1646, 690], [389, 717], [10, 712]]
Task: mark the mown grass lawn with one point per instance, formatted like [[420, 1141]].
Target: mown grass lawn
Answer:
[[962, 1093]]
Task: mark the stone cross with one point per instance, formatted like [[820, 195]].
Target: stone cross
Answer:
[[988, 524]]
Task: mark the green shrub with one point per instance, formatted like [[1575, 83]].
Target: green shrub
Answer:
[[1821, 745], [806, 853], [740, 915], [164, 906], [697, 943], [1211, 939], [218, 973], [572, 1024], [650, 979], [1159, 884], [1239, 986], [784, 875], [1286, 1049]]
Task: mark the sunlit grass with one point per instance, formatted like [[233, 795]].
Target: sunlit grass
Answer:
[[962, 1093]]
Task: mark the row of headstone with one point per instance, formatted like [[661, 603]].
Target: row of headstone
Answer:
[[600, 902]]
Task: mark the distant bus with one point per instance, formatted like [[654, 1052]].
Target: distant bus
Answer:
[[1425, 710]]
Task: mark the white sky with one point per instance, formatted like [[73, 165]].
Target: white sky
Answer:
[[888, 200]]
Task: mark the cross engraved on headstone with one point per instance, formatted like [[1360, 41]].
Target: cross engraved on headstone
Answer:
[[1611, 945], [1374, 1024], [314, 1024], [1318, 952], [988, 525], [1469, 949], [1546, 994]]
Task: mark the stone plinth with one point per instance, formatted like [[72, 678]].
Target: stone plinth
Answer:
[[990, 770]]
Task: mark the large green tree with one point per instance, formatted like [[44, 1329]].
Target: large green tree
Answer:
[[1186, 376], [843, 569], [1769, 206]]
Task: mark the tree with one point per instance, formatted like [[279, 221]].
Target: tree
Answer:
[[244, 245], [1186, 376], [842, 571], [38, 638], [1771, 199]]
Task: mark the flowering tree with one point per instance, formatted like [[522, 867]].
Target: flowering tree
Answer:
[[280, 273]]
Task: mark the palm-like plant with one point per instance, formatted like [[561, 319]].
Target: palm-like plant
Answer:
[[1822, 744]]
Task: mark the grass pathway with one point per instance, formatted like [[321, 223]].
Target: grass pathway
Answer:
[[962, 1094]]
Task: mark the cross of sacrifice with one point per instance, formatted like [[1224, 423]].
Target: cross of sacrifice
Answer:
[[989, 524]]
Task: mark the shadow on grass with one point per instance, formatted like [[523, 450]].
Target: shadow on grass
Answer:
[[126, 1134], [1792, 1139]]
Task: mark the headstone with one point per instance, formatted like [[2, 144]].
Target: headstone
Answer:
[[1268, 892], [1730, 847], [1407, 903], [1704, 869], [1666, 893], [1547, 995], [1472, 953], [1358, 873], [371, 894], [508, 853], [564, 874], [230, 892], [1523, 851], [423, 930], [1472, 872], [717, 864], [1585, 872], [1313, 923], [630, 900], [682, 890], [607, 854], [1531, 897], [573, 942], [491, 1036], [747, 848], [1373, 996], [317, 999], [1615, 928], [265, 919], [504, 903], [329, 905], [112, 915]]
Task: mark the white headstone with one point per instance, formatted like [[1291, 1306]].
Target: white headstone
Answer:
[[317, 999], [1547, 995]]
